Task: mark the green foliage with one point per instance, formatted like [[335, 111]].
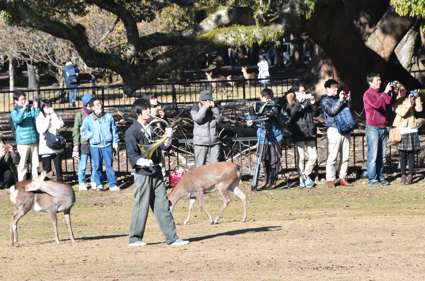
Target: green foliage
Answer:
[[5, 17], [411, 8], [175, 18], [239, 35]]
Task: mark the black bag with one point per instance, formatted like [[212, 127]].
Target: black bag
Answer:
[[54, 141], [345, 122]]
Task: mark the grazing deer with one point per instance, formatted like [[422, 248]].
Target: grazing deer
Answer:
[[223, 176], [41, 195], [247, 75], [221, 78]]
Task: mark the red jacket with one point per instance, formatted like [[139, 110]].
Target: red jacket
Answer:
[[375, 106]]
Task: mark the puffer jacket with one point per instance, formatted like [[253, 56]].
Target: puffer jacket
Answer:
[[275, 135], [405, 113], [205, 125], [101, 131], [24, 123], [302, 124], [331, 106]]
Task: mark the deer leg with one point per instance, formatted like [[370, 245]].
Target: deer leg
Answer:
[[54, 218], [67, 216], [19, 213], [201, 199], [226, 201], [191, 203], [239, 193]]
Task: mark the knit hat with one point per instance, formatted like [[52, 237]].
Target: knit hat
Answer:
[[205, 95], [86, 99]]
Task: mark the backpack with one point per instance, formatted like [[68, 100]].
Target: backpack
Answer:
[[345, 122], [71, 74]]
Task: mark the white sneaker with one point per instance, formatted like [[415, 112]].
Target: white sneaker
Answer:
[[82, 187], [93, 185], [180, 242], [137, 244], [114, 188]]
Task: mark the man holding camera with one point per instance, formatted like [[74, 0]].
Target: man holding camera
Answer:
[[206, 117], [376, 105], [302, 108], [23, 119], [332, 104]]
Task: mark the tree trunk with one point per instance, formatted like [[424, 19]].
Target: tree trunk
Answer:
[[11, 74], [332, 28], [406, 48], [32, 76]]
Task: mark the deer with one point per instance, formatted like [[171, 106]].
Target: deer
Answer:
[[221, 78], [222, 176], [247, 75], [41, 195]]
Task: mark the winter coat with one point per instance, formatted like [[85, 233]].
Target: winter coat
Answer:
[[78, 122], [205, 130], [43, 125], [331, 106], [269, 132], [302, 124], [101, 131], [405, 113], [24, 124]]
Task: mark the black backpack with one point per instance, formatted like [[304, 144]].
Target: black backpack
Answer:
[[54, 141]]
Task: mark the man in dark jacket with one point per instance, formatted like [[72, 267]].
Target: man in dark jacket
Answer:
[[331, 104], [302, 108], [148, 180], [206, 117], [8, 159]]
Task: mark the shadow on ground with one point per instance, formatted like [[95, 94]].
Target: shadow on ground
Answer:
[[237, 232]]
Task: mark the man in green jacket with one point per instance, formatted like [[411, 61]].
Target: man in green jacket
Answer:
[[23, 118], [81, 149]]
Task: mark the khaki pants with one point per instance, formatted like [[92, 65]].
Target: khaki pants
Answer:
[[338, 145], [306, 165], [27, 151]]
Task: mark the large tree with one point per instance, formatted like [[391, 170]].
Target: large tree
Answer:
[[357, 35]]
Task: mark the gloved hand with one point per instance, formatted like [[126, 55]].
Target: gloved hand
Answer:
[[115, 148], [169, 131], [75, 152], [249, 123], [143, 162]]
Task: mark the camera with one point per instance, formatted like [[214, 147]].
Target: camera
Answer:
[[31, 102], [393, 85], [414, 93]]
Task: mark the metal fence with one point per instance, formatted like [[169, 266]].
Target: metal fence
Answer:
[[172, 93]]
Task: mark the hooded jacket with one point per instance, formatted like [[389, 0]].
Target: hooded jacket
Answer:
[[205, 125]]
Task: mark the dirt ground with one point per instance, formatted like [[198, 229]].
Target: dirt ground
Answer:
[[355, 233]]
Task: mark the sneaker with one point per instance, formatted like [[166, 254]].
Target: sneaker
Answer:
[[139, 243], [302, 183], [330, 184], [82, 187], [93, 186], [403, 179], [373, 183], [180, 242], [114, 188], [384, 182], [344, 182], [309, 183]]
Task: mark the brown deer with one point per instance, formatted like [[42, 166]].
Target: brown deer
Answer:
[[223, 176], [247, 75], [41, 195], [221, 78]]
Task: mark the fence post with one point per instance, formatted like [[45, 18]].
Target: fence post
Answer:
[[103, 95], [243, 89]]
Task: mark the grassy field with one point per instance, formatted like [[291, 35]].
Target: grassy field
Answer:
[[354, 233]]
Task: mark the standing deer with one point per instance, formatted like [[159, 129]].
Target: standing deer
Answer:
[[221, 78], [41, 195], [223, 176], [247, 75]]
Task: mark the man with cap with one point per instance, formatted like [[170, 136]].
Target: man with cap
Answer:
[[206, 117], [81, 149]]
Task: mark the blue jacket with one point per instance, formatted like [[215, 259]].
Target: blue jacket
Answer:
[[24, 123], [331, 106], [100, 131], [270, 110]]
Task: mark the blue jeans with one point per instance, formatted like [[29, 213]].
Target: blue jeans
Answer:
[[99, 154], [72, 93], [376, 139], [82, 169]]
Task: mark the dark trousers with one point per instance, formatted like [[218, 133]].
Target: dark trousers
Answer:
[[271, 162], [407, 157], [46, 161]]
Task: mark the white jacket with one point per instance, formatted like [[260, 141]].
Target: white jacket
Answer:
[[263, 69], [43, 125]]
